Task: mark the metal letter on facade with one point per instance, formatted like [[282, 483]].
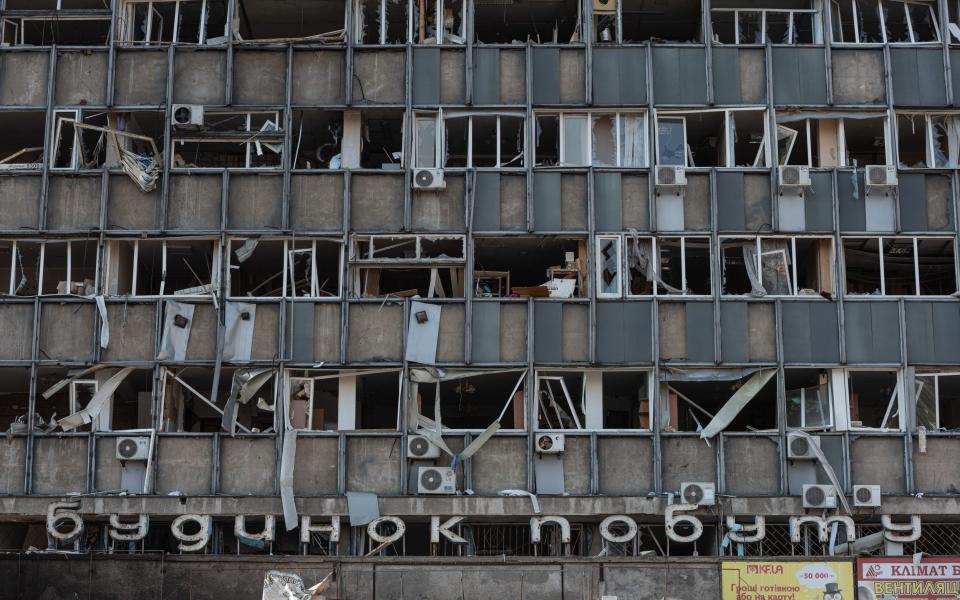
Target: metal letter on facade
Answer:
[[129, 532], [670, 522], [191, 542]]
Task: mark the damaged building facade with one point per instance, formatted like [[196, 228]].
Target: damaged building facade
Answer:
[[611, 288]]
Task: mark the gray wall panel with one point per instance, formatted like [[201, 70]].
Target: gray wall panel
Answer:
[[818, 202], [546, 201], [547, 330], [486, 332], [607, 202], [872, 331], [486, 76], [699, 331], [680, 76], [933, 329], [853, 216], [546, 75], [426, 80], [619, 76], [810, 332], [730, 215], [486, 202], [799, 76], [734, 346], [917, 75]]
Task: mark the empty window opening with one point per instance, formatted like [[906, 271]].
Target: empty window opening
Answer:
[[229, 140], [321, 21], [777, 266], [596, 138], [713, 139], [474, 402], [891, 21], [625, 400], [129, 407], [45, 5], [43, 30], [161, 267], [555, 267], [827, 143], [873, 399], [492, 140], [682, 266], [938, 401], [299, 268], [21, 146], [547, 23], [735, 25], [381, 21], [928, 140], [865, 141], [429, 266], [561, 400], [187, 405], [20, 267], [689, 405], [323, 400], [594, 399], [809, 404], [675, 21], [69, 267], [15, 401], [145, 22], [899, 266], [439, 22]]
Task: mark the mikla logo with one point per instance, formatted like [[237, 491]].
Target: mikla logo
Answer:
[[873, 571]]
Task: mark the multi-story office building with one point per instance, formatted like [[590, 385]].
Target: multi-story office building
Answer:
[[343, 260]]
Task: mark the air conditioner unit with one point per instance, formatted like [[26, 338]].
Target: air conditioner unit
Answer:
[[436, 480], [188, 116], [819, 496], [549, 443], [799, 446], [670, 176], [880, 176], [604, 7], [794, 176], [428, 179], [133, 448], [866, 495], [419, 447], [700, 493]]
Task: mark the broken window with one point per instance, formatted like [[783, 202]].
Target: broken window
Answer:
[[469, 400], [448, 13], [609, 266], [61, 392], [938, 401], [15, 401], [21, 146], [683, 266], [324, 400], [431, 266], [181, 267], [69, 267], [713, 138], [243, 140], [735, 25], [809, 404], [540, 23], [595, 138], [20, 262], [777, 266], [674, 21], [316, 21], [540, 267], [689, 400], [144, 22], [890, 21], [874, 399], [380, 21], [295, 268], [59, 29], [904, 266], [561, 400], [855, 140], [485, 140], [187, 406], [369, 138], [928, 140]]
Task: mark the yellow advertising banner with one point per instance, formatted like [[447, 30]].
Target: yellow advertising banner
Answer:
[[772, 580]]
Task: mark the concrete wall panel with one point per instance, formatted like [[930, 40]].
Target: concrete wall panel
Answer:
[[315, 470], [378, 77], [937, 470], [24, 78], [259, 77], [16, 323], [132, 332], [316, 202], [318, 77], [326, 332], [129, 208], [203, 333], [247, 465], [501, 464], [184, 464], [73, 203], [20, 202], [858, 76], [513, 332], [751, 466], [442, 210], [66, 331], [199, 77], [81, 78], [625, 465], [60, 464], [375, 333], [255, 202], [450, 342], [140, 77], [686, 458], [376, 202], [576, 465], [13, 461], [194, 202], [373, 464], [878, 461]]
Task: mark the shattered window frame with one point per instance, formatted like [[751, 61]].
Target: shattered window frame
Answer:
[[658, 279], [827, 416], [250, 142], [441, 154], [20, 29], [617, 281], [589, 402], [924, 393], [347, 393], [815, 21], [517, 401], [128, 29], [589, 148], [383, 27], [170, 375], [895, 407], [290, 245], [42, 277], [361, 261], [111, 260], [932, 131], [761, 160], [811, 126], [882, 258], [438, 17], [791, 258], [883, 7]]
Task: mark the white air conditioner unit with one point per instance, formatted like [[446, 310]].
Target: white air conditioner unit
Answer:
[[793, 176], [428, 179], [670, 176], [419, 447], [799, 446], [866, 495], [604, 7], [880, 176], [819, 496], [436, 480], [188, 116], [701, 493], [549, 443], [133, 448]]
